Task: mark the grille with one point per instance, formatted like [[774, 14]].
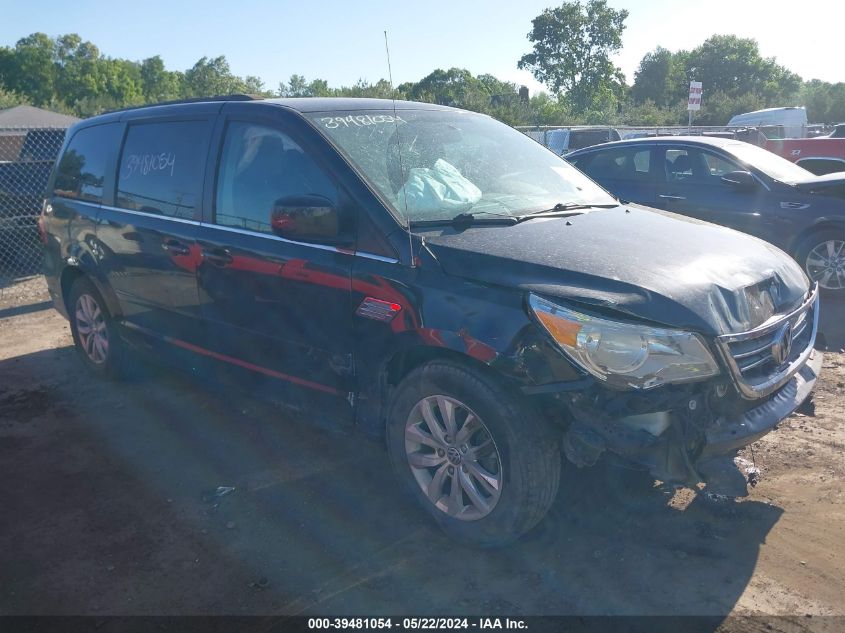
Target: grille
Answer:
[[765, 358]]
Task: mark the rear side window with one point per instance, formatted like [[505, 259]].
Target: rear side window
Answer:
[[618, 164], [161, 168], [82, 168]]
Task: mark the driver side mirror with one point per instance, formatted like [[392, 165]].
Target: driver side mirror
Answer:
[[740, 179], [309, 218]]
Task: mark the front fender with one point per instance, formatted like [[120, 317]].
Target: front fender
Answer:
[[445, 317]]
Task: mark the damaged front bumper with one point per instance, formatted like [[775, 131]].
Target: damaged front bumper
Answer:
[[690, 439]]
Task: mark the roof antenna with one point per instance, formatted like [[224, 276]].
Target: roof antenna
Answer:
[[399, 151]]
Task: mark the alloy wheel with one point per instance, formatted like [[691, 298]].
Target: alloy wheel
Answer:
[[91, 327], [453, 458], [825, 264]]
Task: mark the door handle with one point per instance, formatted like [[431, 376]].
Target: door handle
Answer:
[[217, 256], [665, 197], [175, 247]]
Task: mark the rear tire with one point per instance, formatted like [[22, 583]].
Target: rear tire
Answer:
[[477, 457], [94, 331]]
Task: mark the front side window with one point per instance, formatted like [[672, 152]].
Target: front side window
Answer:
[[82, 168], [261, 167], [161, 168], [768, 162], [434, 164], [697, 166], [718, 166]]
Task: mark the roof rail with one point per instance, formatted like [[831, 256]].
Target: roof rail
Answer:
[[233, 97]]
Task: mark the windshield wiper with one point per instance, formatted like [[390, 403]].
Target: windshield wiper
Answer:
[[563, 210], [467, 219]]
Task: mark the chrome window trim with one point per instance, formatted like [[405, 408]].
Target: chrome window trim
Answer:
[[378, 258], [144, 214], [325, 247], [776, 380], [233, 229]]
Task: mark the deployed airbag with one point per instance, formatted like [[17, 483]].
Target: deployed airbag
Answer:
[[440, 190]]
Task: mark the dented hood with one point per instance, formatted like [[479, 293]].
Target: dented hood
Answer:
[[641, 262]]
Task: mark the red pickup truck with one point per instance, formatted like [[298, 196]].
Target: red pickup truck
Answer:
[[820, 155]]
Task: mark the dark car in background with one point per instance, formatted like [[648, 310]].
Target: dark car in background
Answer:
[[569, 139], [434, 278], [734, 184]]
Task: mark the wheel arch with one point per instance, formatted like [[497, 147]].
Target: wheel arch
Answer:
[[820, 226], [71, 273], [373, 412]]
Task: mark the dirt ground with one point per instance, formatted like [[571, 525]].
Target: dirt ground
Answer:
[[109, 505]]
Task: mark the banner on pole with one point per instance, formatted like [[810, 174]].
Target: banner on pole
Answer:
[[694, 96]]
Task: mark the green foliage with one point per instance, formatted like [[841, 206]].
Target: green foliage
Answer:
[[68, 74], [211, 77], [572, 46], [825, 102], [29, 69], [734, 66], [158, 84], [736, 79], [719, 107], [661, 78], [10, 99]]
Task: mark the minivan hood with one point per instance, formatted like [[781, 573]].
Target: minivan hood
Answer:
[[650, 264]]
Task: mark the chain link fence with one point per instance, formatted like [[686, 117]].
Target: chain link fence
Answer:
[[26, 159]]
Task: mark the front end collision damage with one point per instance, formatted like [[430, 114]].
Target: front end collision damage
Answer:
[[682, 435]]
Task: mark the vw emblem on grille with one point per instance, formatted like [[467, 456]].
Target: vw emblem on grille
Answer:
[[783, 344]]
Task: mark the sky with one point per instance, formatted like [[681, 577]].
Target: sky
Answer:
[[344, 41]]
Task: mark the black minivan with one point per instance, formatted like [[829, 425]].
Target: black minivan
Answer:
[[434, 278]]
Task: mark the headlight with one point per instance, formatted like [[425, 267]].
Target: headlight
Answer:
[[624, 354]]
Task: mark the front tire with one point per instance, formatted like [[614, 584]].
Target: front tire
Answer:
[[822, 256], [94, 332], [474, 455]]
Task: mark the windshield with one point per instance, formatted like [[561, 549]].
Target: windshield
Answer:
[[433, 165], [768, 162]]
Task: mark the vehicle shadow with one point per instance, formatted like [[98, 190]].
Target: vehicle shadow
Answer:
[[831, 322], [123, 508]]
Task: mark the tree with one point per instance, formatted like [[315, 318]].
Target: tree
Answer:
[[734, 66], [30, 69], [212, 77], [573, 44], [454, 87], [717, 107], [825, 102], [661, 78], [158, 84], [79, 69], [297, 86]]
